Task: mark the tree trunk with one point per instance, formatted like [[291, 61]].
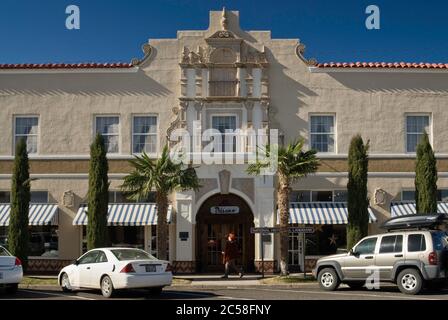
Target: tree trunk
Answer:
[[162, 226], [283, 207]]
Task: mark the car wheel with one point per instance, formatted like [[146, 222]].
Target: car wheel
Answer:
[[410, 281], [107, 287], [65, 283], [12, 288], [355, 284], [328, 279], [155, 291]]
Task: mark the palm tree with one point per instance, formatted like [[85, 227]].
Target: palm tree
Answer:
[[163, 176], [293, 163]]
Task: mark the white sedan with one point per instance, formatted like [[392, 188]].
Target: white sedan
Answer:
[[110, 269], [11, 272]]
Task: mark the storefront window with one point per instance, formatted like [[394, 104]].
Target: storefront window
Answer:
[[44, 241], [322, 196], [3, 236], [327, 239], [153, 243], [121, 236]]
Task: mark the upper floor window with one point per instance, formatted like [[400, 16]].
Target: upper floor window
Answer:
[[319, 196], [36, 197], [121, 197], [409, 195], [223, 76], [39, 197], [27, 128], [226, 125], [415, 126], [108, 127], [322, 133], [144, 134]]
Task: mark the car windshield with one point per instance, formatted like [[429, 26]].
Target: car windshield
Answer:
[[3, 252], [131, 254]]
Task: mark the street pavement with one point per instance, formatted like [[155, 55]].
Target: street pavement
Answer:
[[304, 291]]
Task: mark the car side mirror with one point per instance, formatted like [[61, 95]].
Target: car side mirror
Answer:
[[76, 262], [352, 253]]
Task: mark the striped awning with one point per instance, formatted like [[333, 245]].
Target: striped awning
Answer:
[[321, 213], [39, 214], [404, 208], [125, 214]]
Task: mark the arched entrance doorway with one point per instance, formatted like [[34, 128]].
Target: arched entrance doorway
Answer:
[[219, 215]]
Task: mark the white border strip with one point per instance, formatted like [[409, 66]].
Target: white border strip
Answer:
[[119, 176], [69, 70], [378, 70]]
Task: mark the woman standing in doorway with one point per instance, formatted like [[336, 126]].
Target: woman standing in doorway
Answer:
[[230, 254]]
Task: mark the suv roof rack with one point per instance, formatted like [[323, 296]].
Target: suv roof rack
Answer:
[[416, 221]]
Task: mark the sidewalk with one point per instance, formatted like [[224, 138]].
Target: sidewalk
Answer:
[[234, 281], [197, 281]]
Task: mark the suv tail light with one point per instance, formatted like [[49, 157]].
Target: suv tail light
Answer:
[[128, 268], [432, 258], [169, 268], [18, 262]]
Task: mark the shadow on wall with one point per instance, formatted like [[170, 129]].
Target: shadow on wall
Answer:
[[393, 82], [88, 84], [293, 94]]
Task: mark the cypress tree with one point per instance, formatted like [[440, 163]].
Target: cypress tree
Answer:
[[358, 203], [98, 195], [18, 234], [425, 177]]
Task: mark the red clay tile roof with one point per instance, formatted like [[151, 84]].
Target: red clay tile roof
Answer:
[[392, 65], [90, 65]]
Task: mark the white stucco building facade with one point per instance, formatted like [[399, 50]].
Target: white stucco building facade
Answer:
[[222, 78]]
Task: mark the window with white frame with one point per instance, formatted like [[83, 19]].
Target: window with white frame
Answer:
[[415, 126], [27, 128], [322, 135], [108, 127], [226, 125], [144, 134]]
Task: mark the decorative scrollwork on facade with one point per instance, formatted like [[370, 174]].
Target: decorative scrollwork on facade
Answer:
[[147, 50], [300, 51], [179, 121]]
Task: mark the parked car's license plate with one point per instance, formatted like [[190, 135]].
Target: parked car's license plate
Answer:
[[150, 268]]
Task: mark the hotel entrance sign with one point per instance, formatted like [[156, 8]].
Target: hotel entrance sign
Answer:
[[225, 210]]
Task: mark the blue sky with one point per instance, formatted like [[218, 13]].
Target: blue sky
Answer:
[[114, 30]]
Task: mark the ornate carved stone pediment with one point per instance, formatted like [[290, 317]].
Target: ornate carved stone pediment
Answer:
[[223, 34]]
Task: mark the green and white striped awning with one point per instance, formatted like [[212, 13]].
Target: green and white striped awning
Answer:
[[125, 214], [398, 209], [39, 215], [321, 213]]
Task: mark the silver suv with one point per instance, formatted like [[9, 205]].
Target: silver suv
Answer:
[[409, 258]]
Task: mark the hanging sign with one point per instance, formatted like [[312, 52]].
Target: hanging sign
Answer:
[[225, 210]]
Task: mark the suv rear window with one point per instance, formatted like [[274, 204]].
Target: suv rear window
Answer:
[[391, 244], [440, 240], [416, 242]]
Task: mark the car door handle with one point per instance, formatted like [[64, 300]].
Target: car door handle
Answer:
[[398, 256], [88, 268], [368, 257]]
